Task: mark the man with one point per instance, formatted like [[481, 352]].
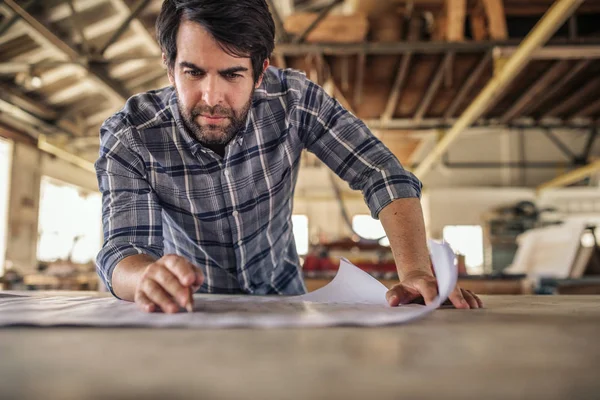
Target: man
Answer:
[[198, 178]]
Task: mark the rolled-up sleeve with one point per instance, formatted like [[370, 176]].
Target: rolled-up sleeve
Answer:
[[348, 148], [131, 212]]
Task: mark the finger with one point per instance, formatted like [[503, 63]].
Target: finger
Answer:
[[172, 286], [470, 299], [458, 299], [159, 296], [400, 294], [144, 302], [185, 271], [479, 302], [427, 289]]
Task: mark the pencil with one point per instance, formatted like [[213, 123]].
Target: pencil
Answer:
[[190, 304]]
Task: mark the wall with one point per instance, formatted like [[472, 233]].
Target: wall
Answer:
[[466, 206], [502, 145]]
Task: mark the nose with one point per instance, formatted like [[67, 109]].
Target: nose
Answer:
[[212, 92]]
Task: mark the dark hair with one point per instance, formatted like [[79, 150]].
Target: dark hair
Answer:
[[243, 28]]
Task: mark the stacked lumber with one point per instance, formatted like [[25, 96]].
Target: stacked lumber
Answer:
[[332, 29]]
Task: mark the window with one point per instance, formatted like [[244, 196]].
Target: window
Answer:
[[70, 222], [5, 164], [367, 227], [467, 240], [300, 224]]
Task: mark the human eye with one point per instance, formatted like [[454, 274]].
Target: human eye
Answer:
[[232, 76], [193, 73]]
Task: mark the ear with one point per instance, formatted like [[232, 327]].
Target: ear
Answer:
[[169, 71], [264, 68]]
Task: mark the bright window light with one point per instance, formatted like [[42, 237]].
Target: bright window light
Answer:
[[70, 223], [5, 164], [467, 240], [367, 227], [300, 223]]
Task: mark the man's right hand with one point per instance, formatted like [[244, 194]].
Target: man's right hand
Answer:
[[166, 284]]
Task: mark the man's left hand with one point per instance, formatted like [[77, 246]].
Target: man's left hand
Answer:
[[423, 284]]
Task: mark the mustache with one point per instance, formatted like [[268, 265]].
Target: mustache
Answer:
[[216, 111]]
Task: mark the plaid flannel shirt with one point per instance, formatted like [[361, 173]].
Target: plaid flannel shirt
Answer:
[[165, 193]]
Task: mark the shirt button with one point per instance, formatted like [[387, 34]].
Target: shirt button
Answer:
[[226, 172], [239, 243], [235, 213]]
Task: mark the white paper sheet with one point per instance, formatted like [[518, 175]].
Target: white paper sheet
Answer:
[[352, 298]]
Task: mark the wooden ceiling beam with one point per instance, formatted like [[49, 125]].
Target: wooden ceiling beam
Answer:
[[575, 52], [433, 87], [360, 78], [574, 99], [97, 73], [322, 14], [571, 177], [496, 17], [137, 9], [534, 90], [456, 11], [468, 85], [558, 86], [590, 109], [392, 102], [489, 95]]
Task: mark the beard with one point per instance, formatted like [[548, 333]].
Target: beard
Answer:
[[214, 134]]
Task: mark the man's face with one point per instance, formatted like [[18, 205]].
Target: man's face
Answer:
[[214, 89]]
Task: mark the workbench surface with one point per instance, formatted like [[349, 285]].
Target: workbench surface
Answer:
[[543, 347]]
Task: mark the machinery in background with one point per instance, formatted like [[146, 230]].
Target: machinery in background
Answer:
[[323, 260], [501, 228]]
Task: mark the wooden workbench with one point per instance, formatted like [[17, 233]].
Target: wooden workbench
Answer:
[[518, 347]]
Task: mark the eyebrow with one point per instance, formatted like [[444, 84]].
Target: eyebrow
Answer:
[[226, 71]]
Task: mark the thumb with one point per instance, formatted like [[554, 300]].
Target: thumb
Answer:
[[400, 294]]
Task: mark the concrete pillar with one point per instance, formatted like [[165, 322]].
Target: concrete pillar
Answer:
[[23, 208]]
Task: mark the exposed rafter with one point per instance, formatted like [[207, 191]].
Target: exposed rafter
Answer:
[[560, 84], [571, 101], [468, 85], [322, 14], [534, 90], [137, 9], [590, 109], [360, 78], [433, 87], [546, 27], [396, 88], [96, 72]]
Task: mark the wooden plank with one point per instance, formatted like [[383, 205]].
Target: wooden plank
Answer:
[[478, 25], [433, 88], [558, 86], [332, 29], [440, 28], [456, 11], [534, 90], [496, 17], [468, 85], [574, 99], [589, 110], [396, 88], [360, 79]]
